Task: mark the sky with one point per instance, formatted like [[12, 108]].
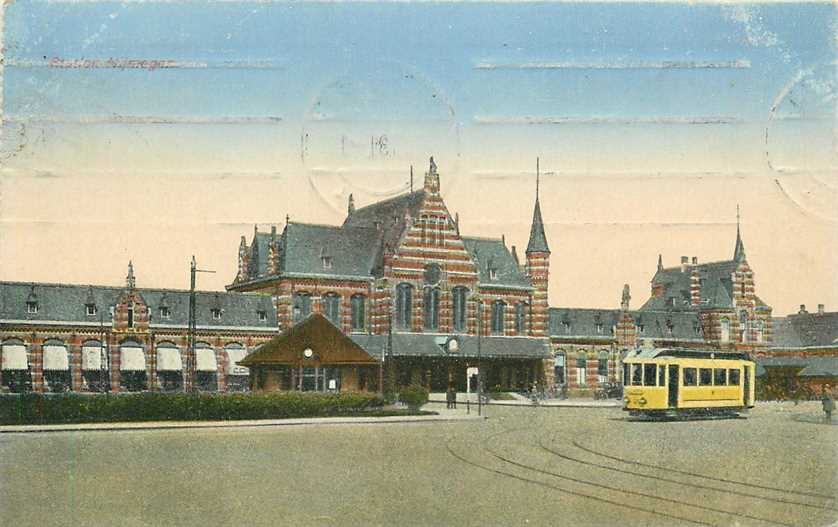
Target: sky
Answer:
[[154, 130]]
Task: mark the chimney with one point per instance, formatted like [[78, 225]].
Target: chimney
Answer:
[[685, 261], [802, 310], [820, 309], [695, 260]]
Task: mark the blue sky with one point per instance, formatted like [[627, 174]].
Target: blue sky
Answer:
[[359, 91]]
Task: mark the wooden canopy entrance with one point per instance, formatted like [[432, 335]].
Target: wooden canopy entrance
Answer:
[[313, 355]]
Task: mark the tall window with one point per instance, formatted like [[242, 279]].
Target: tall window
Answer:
[[559, 369], [331, 308], [520, 318], [302, 306], [759, 329], [431, 308], [359, 315], [581, 369], [404, 306], [725, 330], [743, 326], [602, 366], [130, 316], [498, 314], [459, 297]]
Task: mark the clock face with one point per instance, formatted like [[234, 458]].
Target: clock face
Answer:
[[453, 345], [432, 274], [308, 353]]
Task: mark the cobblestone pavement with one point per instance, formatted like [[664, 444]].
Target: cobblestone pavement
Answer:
[[521, 466]]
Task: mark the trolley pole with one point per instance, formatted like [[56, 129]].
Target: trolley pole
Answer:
[[479, 358]]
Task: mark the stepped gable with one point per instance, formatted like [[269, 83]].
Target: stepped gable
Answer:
[[489, 253]]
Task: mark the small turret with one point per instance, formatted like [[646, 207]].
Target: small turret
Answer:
[[739, 250], [432, 178], [130, 281], [350, 208]]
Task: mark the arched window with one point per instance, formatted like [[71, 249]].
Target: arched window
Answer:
[[302, 306], [431, 301], [498, 315], [725, 330], [459, 299], [559, 368], [581, 369], [359, 314], [743, 325], [602, 366], [331, 308], [759, 330], [404, 305], [520, 318]]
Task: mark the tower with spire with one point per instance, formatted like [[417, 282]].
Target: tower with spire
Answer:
[[739, 250], [538, 265]]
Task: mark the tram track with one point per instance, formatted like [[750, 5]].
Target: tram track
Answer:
[[584, 495], [683, 483], [651, 496], [576, 443]]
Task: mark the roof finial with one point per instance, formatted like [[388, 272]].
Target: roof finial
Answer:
[[739, 250], [537, 176], [411, 178], [351, 206], [130, 281], [432, 178], [624, 304], [660, 262]]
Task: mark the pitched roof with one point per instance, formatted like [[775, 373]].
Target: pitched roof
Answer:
[[351, 249], [67, 303], [417, 344], [489, 253], [820, 367], [806, 330], [582, 322], [538, 240], [716, 286]]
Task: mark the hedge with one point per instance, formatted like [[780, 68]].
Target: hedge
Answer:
[[34, 408]]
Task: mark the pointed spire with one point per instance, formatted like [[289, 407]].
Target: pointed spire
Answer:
[[130, 281], [351, 207], [739, 250], [538, 240], [432, 178], [411, 179], [660, 262]]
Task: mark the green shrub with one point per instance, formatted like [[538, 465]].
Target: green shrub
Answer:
[[414, 395], [34, 408]]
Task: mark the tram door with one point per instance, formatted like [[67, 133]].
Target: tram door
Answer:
[[673, 386], [747, 386]]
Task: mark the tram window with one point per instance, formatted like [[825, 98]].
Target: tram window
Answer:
[[637, 375], [689, 377], [733, 377], [720, 377], [662, 376], [626, 375], [705, 376], [649, 373]]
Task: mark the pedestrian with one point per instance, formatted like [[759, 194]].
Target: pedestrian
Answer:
[[828, 403], [451, 397]]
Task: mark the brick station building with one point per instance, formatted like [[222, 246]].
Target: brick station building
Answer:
[[406, 285], [58, 337]]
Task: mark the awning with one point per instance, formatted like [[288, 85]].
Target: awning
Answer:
[[14, 357], [133, 359], [205, 360], [91, 358], [168, 359], [234, 355], [55, 358]]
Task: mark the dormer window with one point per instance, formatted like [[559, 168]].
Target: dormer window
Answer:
[[165, 312], [566, 327], [216, 313], [641, 328], [262, 315], [31, 307], [599, 328], [91, 310], [327, 262]]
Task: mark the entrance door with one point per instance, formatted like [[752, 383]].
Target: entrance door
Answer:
[[673, 386], [746, 385]]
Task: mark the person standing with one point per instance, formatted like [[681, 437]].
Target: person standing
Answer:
[[828, 403]]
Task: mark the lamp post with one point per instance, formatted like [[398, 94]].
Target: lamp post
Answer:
[[190, 336], [479, 358]]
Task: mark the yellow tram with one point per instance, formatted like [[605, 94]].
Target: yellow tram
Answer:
[[683, 381]]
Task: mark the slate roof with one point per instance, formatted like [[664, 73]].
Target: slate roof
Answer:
[[67, 303], [421, 345], [583, 322], [492, 253], [806, 330], [351, 249], [716, 289], [820, 367], [538, 240]]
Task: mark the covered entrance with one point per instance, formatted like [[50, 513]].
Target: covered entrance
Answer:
[[313, 356]]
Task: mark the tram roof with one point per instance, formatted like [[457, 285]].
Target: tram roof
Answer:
[[660, 353]]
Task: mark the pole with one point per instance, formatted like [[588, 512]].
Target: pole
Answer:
[[189, 380], [479, 357]]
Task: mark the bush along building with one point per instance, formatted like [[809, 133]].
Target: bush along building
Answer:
[[711, 305], [408, 289], [58, 337]]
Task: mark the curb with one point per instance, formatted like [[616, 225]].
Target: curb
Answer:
[[580, 404], [193, 425]]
